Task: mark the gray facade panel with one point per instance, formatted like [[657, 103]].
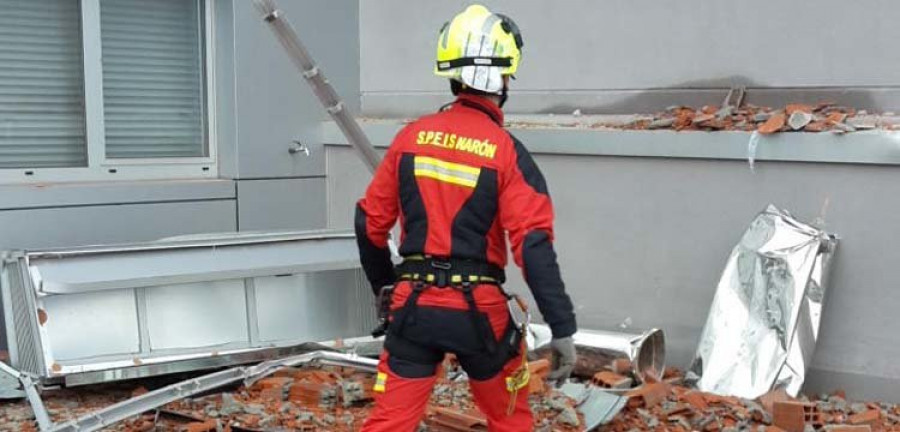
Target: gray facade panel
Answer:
[[644, 240], [628, 44], [286, 204], [80, 194], [274, 105], [74, 226], [643, 47], [226, 125]]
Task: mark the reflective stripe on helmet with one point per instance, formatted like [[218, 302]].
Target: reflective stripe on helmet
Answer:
[[478, 48]]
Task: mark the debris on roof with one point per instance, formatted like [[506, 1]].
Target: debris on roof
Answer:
[[823, 117], [332, 398], [682, 409]]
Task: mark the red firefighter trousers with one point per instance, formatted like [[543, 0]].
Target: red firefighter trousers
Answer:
[[442, 323]]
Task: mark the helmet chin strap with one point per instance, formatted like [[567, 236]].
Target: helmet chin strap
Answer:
[[504, 95]]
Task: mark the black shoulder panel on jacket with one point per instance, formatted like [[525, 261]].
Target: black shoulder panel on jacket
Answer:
[[415, 219], [529, 168], [475, 218]]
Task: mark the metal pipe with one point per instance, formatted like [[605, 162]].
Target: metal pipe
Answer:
[[321, 87], [645, 351], [262, 370]]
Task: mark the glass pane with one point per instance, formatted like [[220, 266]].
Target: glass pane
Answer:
[[153, 78], [41, 84]]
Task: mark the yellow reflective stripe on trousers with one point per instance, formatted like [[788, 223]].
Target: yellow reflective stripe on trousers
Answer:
[[448, 172], [380, 382]]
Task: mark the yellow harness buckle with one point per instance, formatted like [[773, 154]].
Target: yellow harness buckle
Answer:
[[518, 380]]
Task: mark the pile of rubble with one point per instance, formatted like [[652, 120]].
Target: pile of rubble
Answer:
[[792, 118], [63, 405], [823, 117], [299, 399], [339, 399], [666, 407]]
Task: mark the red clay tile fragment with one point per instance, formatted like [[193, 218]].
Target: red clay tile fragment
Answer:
[[458, 420], [273, 382], [209, 425], [773, 124], [696, 400], [868, 417], [848, 428], [612, 380], [272, 394], [538, 371], [836, 117], [650, 395], [791, 416], [816, 126], [768, 400]]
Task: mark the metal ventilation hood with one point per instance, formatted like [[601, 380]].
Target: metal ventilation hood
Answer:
[[96, 314]]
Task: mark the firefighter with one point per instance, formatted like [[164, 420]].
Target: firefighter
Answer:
[[459, 184]]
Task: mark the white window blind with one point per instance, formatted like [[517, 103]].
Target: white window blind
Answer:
[[42, 120], [153, 78]]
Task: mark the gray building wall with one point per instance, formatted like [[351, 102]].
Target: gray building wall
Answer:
[[263, 105], [620, 56], [643, 241]]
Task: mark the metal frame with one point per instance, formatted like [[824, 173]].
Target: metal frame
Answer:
[[101, 168], [113, 275], [247, 374], [194, 241], [29, 388]]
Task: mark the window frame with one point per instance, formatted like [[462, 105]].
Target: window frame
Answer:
[[101, 168]]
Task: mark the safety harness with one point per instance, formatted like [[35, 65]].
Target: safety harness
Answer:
[[425, 272], [464, 276]]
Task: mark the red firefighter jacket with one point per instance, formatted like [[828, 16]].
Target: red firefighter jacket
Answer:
[[459, 182]]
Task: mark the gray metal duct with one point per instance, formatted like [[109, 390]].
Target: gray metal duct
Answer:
[[97, 314], [645, 351]]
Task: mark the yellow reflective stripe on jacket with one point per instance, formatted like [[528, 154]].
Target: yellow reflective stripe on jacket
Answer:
[[448, 172]]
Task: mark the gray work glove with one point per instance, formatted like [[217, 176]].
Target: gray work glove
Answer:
[[563, 360]]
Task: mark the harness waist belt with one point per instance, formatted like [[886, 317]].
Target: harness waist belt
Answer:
[[450, 271]]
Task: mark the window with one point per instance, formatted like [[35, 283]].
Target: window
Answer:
[[41, 85], [105, 89]]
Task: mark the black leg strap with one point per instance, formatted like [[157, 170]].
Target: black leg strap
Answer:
[[481, 323], [407, 314]]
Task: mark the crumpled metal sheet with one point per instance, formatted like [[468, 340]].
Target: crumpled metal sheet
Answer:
[[598, 407], [764, 321]]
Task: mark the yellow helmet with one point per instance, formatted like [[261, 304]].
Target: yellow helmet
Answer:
[[478, 48]]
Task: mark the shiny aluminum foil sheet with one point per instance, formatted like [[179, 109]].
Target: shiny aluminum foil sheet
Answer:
[[764, 321]]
